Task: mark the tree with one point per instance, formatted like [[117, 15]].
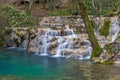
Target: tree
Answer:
[[97, 7], [30, 6], [89, 29]]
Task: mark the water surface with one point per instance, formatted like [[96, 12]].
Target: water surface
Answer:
[[15, 64]]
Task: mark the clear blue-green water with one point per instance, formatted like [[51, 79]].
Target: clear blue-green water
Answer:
[[15, 64]]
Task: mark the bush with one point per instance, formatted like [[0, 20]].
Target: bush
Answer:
[[18, 18]]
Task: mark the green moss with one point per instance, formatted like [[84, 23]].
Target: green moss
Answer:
[[108, 62], [96, 53], [106, 27], [91, 21]]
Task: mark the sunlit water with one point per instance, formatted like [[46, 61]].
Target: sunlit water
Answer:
[[15, 64]]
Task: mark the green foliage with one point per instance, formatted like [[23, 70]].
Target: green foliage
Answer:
[[107, 6], [102, 7], [64, 12], [106, 27], [18, 18], [108, 62]]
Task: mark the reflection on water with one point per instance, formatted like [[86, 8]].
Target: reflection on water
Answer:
[[17, 65]]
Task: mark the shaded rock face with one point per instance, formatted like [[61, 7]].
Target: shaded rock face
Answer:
[[17, 38]]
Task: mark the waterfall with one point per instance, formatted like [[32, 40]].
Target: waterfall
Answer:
[[62, 46], [70, 32], [51, 42], [57, 19], [114, 36], [45, 45], [24, 44], [89, 48], [96, 26], [67, 44], [53, 33], [114, 30], [45, 39]]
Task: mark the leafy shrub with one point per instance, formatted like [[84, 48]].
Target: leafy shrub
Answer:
[[18, 18]]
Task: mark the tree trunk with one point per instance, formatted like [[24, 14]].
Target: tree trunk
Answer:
[[30, 6], [89, 29]]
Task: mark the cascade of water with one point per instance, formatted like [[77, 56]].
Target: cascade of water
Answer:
[[45, 39], [96, 26], [12, 38], [65, 45], [24, 44], [38, 40], [45, 45], [60, 40], [52, 38], [89, 49], [114, 30], [114, 36], [70, 32], [53, 33], [57, 19]]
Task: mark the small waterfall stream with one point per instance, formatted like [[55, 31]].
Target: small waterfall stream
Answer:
[[66, 45], [114, 30], [70, 32], [44, 46], [24, 44]]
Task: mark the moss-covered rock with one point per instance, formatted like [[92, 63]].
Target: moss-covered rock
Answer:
[[109, 62], [106, 27], [96, 53]]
